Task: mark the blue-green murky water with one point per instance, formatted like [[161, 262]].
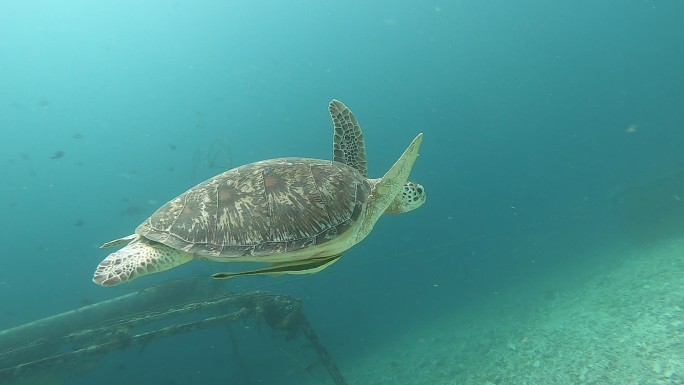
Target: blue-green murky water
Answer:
[[536, 117]]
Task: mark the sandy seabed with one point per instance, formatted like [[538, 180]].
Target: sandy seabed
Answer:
[[620, 322]]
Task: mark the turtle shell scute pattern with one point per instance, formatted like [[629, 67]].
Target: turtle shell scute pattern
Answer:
[[263, 208]]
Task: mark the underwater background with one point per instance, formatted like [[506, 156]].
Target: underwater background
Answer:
[[552, 158]]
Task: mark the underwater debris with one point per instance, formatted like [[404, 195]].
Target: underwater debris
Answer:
[[75, 339], [218, 156], [57, 155], [172, 146]]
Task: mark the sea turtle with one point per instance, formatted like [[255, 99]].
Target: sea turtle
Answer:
[[297, 214]]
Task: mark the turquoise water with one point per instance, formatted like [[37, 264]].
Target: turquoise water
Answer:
[[537, 117]]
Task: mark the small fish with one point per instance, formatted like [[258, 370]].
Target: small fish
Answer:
[[77, 135], [57, 155], [172, 146], [86, 301], [79, 223], [132, 211]]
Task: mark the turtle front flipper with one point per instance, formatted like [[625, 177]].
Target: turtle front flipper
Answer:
[[390, 186], [307, 266], [348, 144], [138, 258]]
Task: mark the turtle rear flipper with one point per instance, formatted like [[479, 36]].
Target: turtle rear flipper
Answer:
[[136, 259]]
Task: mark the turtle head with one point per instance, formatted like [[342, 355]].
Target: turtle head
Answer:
[[411, 196]]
